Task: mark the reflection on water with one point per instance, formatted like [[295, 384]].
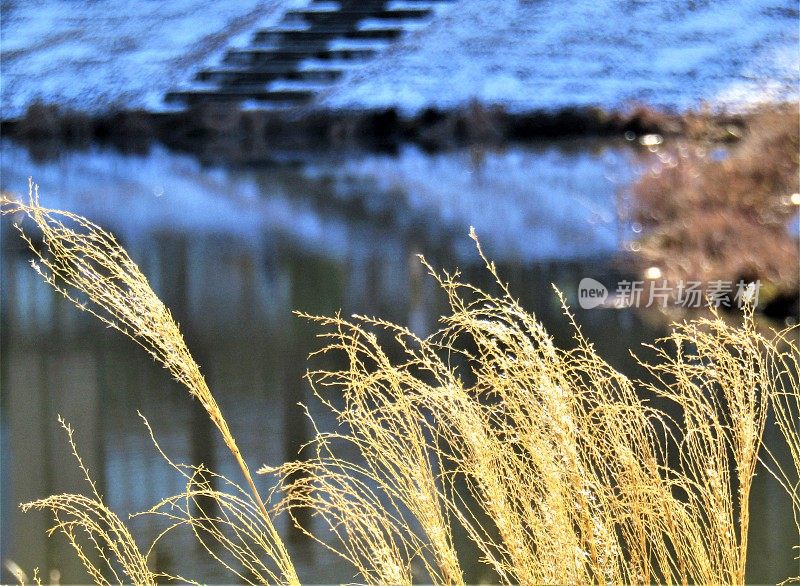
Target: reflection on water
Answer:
[[232, 252], [550, 202]]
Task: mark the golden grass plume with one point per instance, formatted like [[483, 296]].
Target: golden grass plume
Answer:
[[87, 265], [558, 467]]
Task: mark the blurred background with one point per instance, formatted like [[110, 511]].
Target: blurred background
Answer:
[[262, 156]]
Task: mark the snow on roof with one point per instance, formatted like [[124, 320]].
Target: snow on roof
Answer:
[[95, 55], [530, 54]]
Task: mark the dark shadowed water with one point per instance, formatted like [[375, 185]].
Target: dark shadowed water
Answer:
[[232, 251]]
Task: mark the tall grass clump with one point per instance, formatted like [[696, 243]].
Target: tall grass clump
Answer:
[[557, 467], [86, 265]]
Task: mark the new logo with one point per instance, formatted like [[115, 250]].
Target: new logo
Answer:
[[591, 293]]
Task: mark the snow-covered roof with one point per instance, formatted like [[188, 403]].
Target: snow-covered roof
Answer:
[[528, 54], [524, 54], [94, 55]]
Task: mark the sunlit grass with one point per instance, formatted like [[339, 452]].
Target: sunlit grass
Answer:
[[87, 265], [99, 537], [559, 468]]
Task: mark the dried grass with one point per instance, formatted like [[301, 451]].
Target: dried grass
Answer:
[[86, 265], [571, 476], [100, 539], [559, 468]]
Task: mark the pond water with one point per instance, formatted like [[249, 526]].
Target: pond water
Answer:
[[232, 251]]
